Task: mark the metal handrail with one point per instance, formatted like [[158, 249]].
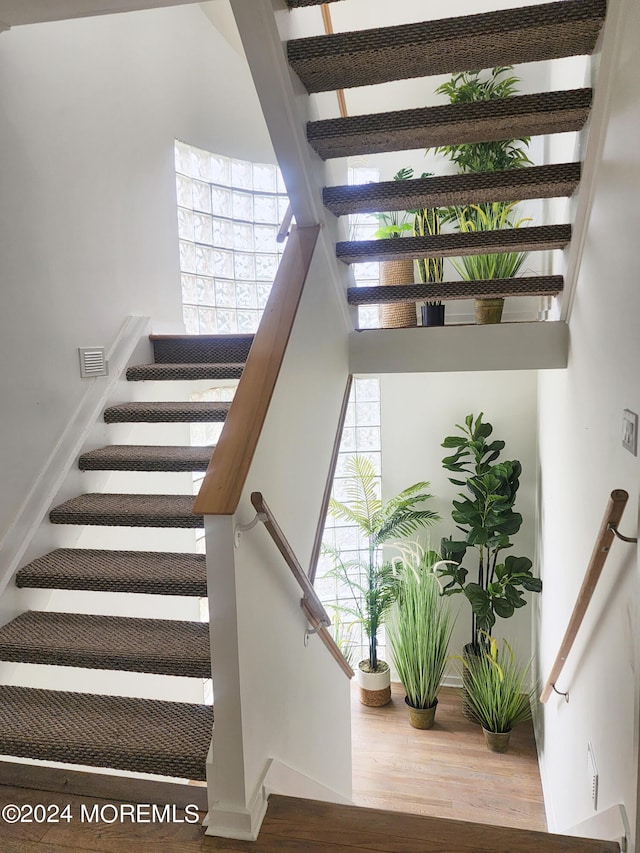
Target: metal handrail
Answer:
[[608, 531]]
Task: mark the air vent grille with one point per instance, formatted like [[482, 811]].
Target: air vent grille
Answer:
[[92, 362]]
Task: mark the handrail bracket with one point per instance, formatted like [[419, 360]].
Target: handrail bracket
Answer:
[[239, 529], [613, 528]]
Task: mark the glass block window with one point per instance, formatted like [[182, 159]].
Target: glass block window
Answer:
[[361, 435], [362, 226], [229, 213]]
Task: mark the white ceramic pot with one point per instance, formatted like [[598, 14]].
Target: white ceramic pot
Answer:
[[375, 687]]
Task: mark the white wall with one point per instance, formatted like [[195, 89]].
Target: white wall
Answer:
[[89, 110], [418, 411], [278, 698], [582, 460]]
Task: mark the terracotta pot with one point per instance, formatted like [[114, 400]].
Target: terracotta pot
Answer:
[[375, 687], [421, 718], [488, 310], [497, 741]]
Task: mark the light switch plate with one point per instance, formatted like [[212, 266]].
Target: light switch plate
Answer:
[[630, 431]]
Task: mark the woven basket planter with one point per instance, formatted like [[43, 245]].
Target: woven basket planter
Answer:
[[398, 315], [488, 311]]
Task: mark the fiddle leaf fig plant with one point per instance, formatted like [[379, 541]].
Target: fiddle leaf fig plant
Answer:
[[486, 517]]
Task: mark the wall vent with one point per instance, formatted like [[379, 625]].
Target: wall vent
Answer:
[[92, 362]]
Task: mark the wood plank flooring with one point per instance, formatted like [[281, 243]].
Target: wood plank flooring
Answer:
[[446, 772]]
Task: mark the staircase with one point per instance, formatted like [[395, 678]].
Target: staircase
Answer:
[[162, 738], [342, 61]]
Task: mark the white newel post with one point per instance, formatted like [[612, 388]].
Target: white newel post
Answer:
[[231, 814]]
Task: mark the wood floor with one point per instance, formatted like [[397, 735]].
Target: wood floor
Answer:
[[445, 772]]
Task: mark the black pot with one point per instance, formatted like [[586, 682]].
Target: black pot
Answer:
[[433, 315]]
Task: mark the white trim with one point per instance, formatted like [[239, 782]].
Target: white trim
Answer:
[[596, 131], [242, 824], [282, 779], [47, 485], [612, 824]]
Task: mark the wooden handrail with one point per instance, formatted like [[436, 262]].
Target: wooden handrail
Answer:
[[317, 542], [328, 28], [283, 231], [606, 534], [280, 540], [231, 460], [310, 603], [327, 639]]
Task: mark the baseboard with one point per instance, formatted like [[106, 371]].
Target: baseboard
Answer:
[[44, 490], [452, 681], [127, 789]]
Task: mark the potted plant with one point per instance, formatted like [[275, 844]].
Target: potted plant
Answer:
[[486, 518], [372, 583], [497, 693], [419, 632], [392, 226], [426, 223], [467, 87]]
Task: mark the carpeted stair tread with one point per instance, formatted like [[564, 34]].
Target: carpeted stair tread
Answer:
[[171, 372], [508, 185], [114, 510], [487, 288], [140, 735], [140, 457], [294, 4], [449, 124], [457, 244], [147, 572], [173, 412], [447, 46], [200, 349], [161, 646]]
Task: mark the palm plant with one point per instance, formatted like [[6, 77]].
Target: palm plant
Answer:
[[379, 522], [472, 86], [488, 217], [491, 156], [497, 689], [420, 631]]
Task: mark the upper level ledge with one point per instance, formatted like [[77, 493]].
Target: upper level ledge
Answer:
[[436, 349]]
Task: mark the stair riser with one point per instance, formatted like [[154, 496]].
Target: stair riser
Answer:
[[535, 286], [455, 245], [203, 349], [185, 669], [186, 373], [120, 415], [115, 520]]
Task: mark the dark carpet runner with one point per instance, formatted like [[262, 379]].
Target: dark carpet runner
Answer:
[[140, 735], [161, 646], [149, 572]]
